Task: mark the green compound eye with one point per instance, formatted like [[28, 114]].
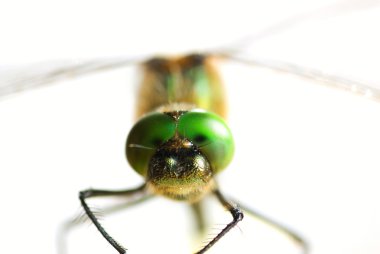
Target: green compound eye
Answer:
[[144, 138], [211, 134]]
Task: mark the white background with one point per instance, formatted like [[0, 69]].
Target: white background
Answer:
[[306, 154]]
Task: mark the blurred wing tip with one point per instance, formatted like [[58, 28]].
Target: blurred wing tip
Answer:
[[30, 77], [366, 89]]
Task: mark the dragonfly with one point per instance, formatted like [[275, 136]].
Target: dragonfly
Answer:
[[279, 67]]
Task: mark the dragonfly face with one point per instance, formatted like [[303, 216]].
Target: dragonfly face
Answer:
[[180, 171]]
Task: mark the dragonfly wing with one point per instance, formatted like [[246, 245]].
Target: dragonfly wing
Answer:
[[14, 80], [366, 89], [331, 10]]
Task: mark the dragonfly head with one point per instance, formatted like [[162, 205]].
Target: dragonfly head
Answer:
[[179, 152]]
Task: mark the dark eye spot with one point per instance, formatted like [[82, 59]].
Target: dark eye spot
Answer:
[[200, 139], [156, 142]]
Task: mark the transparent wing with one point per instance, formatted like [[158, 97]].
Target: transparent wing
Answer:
[[239, 50], [29, 77], [369, 90], [14, 80], [330, 10]]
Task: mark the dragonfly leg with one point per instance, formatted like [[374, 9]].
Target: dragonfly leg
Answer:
[[237, 215], [68, 225], [199, 215], [278, 226], [90, 193]]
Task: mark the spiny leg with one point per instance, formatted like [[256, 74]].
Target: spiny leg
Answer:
[[237, 216], [68, 225], [285, 230], [90, 193]]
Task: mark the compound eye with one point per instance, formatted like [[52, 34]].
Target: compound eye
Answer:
[[145, 137], [211, 134]]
